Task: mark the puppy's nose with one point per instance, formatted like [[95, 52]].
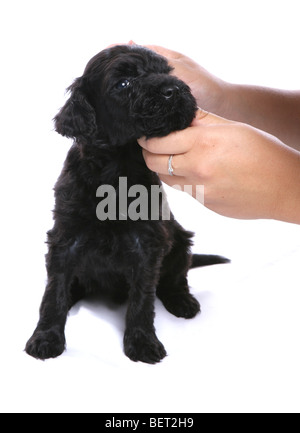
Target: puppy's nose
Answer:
[[169, 91]]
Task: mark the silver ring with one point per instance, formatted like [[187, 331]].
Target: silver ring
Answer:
[[170, 168]]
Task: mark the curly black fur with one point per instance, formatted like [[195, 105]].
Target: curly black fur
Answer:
[[125, 93]]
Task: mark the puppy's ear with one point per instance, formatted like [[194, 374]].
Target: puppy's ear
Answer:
[[77, 118]]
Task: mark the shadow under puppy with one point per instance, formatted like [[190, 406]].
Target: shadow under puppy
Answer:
[[126, 92]]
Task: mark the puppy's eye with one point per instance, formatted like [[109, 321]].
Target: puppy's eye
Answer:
[[123, 84]]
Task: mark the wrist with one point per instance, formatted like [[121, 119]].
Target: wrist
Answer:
[[230, 104], [220, 98]]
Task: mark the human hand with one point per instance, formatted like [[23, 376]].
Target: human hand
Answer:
[[246, 172], [208, 90]]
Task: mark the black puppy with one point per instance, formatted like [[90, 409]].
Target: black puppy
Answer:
[[125, 93]]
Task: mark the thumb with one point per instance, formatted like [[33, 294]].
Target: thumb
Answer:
[[205, 118]]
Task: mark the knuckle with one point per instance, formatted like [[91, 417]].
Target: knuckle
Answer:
[[151, 146], [149, 160]]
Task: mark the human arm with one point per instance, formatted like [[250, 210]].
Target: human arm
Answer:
[[246, 173], [271, 110]]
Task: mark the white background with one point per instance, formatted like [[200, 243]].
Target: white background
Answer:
[[242, 353]]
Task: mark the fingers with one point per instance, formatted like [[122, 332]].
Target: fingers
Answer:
[[173, 143], [160, 163], [164, 51], [121, 43], [204, 118], [180, 142], [157, 151], [186, 146], [159, 50], [176, 143]]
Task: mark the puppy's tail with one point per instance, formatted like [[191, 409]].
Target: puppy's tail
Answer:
[[199, 260]]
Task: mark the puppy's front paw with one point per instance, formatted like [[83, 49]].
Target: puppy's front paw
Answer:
[[184, 305], [143, 346], [46, 344]]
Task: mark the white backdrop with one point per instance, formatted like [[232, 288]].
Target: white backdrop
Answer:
[[242, 353]]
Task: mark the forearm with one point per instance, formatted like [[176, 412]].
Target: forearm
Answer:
[[288, 188], [271, 110]]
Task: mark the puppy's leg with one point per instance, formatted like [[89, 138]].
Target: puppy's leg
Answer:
[[173, 289], [140, 340], [48, 340]]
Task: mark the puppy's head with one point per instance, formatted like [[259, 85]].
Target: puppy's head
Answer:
[[126, 92]]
